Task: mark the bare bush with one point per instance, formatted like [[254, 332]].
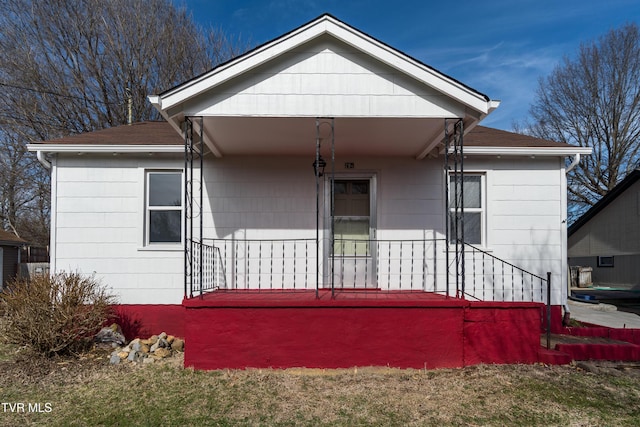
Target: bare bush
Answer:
[[56, 314]]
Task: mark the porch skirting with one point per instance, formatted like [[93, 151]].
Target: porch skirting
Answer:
[[238, 329]]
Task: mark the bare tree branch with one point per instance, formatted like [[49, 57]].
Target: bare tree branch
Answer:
[[593, 100], [67, 66]]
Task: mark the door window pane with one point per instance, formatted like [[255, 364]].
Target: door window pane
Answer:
[[351, 237]]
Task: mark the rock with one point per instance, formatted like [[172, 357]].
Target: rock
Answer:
[[109, 336], [115, 359], [170, 339], [163, 343], [135, 346], [162, 352], [153, 339], [148, 360], [154, 347], [162, 336], [144, 349], [123, 354], [133, 356], [177, 345], [146, 342]]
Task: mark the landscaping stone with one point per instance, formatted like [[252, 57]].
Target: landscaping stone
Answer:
[[148, 350], [110, 335], [162, 352], [177, 345], [115, 359]]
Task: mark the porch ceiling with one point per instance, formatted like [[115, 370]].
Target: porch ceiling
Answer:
[[292, 136]]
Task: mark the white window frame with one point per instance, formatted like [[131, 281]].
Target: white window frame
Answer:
[[148, 208], [483, 204]]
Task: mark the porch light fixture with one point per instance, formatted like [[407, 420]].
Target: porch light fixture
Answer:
[[318, 166]]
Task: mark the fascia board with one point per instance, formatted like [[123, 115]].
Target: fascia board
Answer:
[[526, 151], [86, 148]]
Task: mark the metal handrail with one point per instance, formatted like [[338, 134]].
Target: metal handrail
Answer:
[[386, 264]]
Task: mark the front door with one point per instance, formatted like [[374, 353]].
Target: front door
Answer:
[[353, 250]]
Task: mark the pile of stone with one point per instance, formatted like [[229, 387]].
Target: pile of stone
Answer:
[[148, 350]]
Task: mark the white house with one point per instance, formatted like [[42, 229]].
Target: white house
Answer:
[[225, 194]]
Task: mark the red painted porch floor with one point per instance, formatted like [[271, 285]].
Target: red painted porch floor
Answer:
[[324, 297]]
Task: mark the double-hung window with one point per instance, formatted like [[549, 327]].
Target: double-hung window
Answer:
[[471, 186], [164, 207]]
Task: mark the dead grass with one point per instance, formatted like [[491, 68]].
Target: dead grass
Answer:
[[87, 391]]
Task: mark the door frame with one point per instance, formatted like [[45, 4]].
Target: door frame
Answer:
[[372, 177]]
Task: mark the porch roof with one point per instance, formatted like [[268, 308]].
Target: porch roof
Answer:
[[161, 137]]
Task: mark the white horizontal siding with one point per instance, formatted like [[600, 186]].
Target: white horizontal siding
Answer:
[[100, 223], [324, 79]]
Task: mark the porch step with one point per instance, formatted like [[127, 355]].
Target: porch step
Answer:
[[601, 351]]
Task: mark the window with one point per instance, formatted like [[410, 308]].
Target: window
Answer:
[[164, 207], [473, 219], [605, 261]]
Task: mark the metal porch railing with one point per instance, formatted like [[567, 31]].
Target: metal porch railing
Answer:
[[489, 278], [388, 265]]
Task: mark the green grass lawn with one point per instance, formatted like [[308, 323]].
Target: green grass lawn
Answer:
[[88, 391]]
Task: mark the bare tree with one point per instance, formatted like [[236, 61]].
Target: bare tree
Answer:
[[72, 66], [594, 100]]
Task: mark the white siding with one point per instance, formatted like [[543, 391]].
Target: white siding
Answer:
[[100, 216], [525, 214], [100, 226], [324, 78]]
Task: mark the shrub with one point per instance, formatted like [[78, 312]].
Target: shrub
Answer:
[[56, 314]]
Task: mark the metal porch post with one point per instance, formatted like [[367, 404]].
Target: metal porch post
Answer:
[[200, 245], [188, 207], [317, 173], [454, 149]]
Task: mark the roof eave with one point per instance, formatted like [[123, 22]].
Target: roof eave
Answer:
[[104, 148], [527, 151]]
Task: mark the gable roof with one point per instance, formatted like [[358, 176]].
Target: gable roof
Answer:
[[330, 26], [605, 201], [10, 239]]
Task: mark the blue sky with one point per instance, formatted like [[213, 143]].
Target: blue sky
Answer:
[[500, 48]]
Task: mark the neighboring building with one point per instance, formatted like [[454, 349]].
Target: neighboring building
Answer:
[[224, 195], [10, 246], [607, 236]]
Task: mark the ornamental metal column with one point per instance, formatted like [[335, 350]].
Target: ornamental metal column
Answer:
[[193, 250], [454, 167], [331, 123]]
